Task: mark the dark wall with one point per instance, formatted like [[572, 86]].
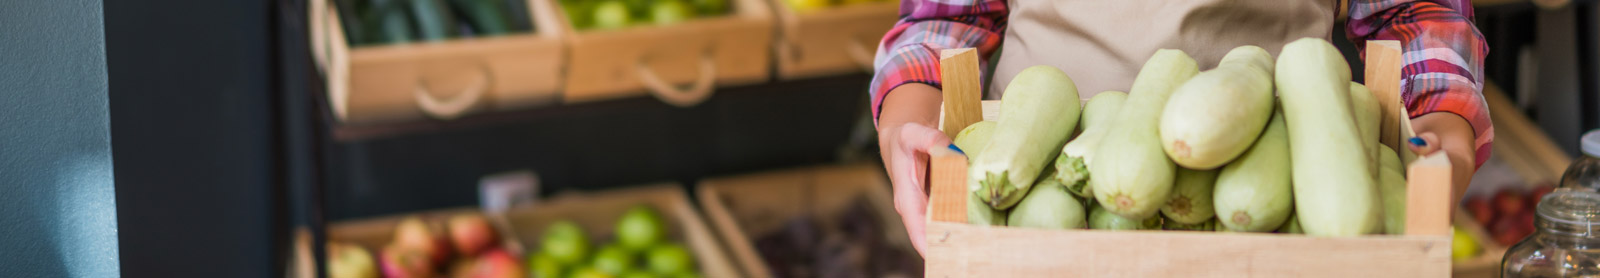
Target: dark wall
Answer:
[[57, 202], [192, 97]]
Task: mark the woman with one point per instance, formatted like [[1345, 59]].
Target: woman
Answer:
[[1102, 43]]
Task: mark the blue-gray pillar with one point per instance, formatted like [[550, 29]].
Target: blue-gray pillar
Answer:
[[57, 199]]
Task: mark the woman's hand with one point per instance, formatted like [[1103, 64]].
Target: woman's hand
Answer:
[[908, 171], [1447, 132], [905, 135]]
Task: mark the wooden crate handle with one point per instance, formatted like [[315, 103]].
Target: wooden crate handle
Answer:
[[696, 93], [1428, 178], [947, 170], [960, 76]]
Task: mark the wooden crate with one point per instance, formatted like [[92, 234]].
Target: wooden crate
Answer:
[[831, 41], [439, 80], [742, 206], [957, 249], [681, 64], [596, 212]]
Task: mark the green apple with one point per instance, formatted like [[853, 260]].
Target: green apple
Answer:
[[1462, 246], [666, 12], [565, 242], [637, 274], [578, 13], [540, 265], [641, 227], [804, 6], [610, 14], [614, 259], [669, 259], [588, 273]]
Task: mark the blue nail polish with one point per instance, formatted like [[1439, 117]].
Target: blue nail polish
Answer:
[[954, 148], [1418, 142]]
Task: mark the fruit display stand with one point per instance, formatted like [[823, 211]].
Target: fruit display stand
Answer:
[[595, 212], [1531, 156], [830, 40], [957, 249], [441, 79], [755, 204], [703, 53]]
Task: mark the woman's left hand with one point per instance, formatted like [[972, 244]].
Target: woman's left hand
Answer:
[[1450, 133]]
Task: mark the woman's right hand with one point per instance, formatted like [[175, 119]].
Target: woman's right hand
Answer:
[[905, 135], [907, 163]]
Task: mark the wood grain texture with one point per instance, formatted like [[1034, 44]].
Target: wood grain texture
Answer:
[[956, 249], [962, 88], [1383, 79], [741, 208], [377, 84], [961, 250], [606, 64], [820, 43]]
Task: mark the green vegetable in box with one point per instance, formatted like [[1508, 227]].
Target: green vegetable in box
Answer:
[[1072, 168], [1137, 181], [1041, 110], [1253, 193]]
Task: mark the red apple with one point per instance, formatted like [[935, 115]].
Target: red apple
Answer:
[[1509, 202], [1537, 194], [413, 233], [497, 263], [471, 233], [1510, 229], [402, 262], [1480, 210], [350, 261]]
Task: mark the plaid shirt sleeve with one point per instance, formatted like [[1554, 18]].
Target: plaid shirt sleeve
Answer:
[[1443, 56], [909, 52]]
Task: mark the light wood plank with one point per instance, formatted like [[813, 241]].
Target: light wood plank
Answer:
[[960, 77], [1383, 79], [961, 250]]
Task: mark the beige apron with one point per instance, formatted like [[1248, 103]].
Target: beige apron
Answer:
[[1102, 44]]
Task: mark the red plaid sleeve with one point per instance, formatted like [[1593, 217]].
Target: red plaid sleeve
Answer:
[[909, 52], [1443, 56]]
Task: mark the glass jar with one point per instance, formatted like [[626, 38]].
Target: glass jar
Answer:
[[1585, 173], [1566, 242]]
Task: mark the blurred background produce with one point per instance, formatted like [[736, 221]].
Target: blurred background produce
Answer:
[[378, 22], [615, 14]]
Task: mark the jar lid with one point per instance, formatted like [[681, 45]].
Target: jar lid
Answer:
[[1591, 143], [1572, 207]]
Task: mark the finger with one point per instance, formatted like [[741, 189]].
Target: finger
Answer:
[[1424, 144], [913, 215], [922, 138]]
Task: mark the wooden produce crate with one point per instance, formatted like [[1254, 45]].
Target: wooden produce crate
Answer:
[[831, 41], [702, 53], [957, 249], [596, 212], [741, 207], [439, 80]]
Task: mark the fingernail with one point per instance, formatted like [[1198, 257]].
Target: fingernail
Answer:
[[954, 148], [1417, 141]]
